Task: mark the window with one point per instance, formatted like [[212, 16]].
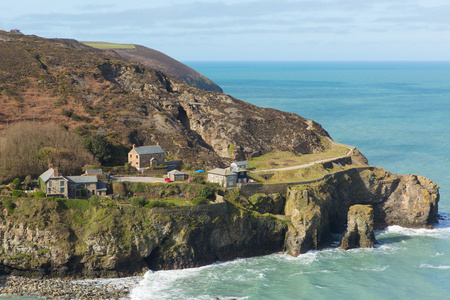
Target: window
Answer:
[[62, 190], [49, 190], [136, 156], [131, 155], [61, 183], [50, 183]]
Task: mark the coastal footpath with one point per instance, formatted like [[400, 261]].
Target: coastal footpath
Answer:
[[43, 237]]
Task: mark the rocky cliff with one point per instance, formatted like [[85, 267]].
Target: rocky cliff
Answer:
[[165, 64], [79, 88], [82, 239]]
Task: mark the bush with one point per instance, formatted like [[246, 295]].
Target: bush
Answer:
[[9, 205], [206, 192], [94, 200], [199, 178], [16, 193], [38, 194], [137, 201], [200, 201], [16, 183]]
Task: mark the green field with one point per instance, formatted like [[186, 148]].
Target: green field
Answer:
[[282, 159], [102, 45]]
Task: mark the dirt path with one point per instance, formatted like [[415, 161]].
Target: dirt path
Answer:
[[350, 152]]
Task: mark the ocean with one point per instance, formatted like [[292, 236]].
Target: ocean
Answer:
[[398, 115]]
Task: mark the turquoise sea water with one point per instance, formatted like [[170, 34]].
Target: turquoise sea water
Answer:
[[398, 115]]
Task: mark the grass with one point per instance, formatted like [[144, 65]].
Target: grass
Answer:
[[298, 175], [282, 159], [103, 45]]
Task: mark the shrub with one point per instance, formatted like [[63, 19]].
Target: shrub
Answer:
[[137, 201], [16, 193], [38, 194], [16, 183], [199, 178], [200, 201], [94, 200], [9, 205], [119, 188], [206, 192]]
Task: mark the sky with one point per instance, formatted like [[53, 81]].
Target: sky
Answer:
[[248, 30]]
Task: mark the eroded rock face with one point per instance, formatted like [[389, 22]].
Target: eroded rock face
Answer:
[[320, 208], [359, 228]]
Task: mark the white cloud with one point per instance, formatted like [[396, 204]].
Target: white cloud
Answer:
[[226, 24]]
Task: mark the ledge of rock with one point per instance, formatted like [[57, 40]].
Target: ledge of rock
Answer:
[[359, 228]]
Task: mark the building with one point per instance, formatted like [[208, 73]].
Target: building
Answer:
[[176, 175], [146, 156], [241, 175], [224, 177], [54, 184], [239, 164]]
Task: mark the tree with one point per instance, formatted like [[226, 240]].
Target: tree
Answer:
[[27, 148], [16, 183], [99, 147]]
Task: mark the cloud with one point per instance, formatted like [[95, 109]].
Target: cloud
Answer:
[[233, 23]]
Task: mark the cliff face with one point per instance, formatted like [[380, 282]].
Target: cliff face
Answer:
[[321, 208], [167, 65], [46, 237], [80, 88]]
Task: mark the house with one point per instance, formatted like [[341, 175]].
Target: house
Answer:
[[15, 31], [239, 164], [146, 156], [54, 184], [176, 175], [241, 175], [224, 177], [93, 172]]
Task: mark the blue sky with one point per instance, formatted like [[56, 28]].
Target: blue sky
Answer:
[[217, 30]]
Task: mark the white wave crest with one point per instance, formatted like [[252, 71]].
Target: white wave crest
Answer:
[[427, 266]]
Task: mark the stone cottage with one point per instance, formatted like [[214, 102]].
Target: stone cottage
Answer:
[[146, 156]]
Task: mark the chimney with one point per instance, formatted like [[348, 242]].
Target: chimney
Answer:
[[157, 144], [134, 145], [50, 165], [55, 172]]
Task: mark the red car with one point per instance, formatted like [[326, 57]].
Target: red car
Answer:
[[167, 180]]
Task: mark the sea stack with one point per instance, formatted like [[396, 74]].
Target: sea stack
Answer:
[[359, 228]]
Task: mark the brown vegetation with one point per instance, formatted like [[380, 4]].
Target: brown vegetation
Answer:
[[27, 148]]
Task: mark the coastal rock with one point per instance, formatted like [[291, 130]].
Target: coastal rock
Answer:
[[359, 228], [320, 208]]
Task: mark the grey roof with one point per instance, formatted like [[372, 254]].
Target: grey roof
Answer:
[[223, 172], [49, 174], [241, 162], [82, 179], [94, 171], [101, 186], [149, 150], [175, 172], [46, 175]]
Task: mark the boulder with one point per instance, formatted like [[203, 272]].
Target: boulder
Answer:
[[359, 228]]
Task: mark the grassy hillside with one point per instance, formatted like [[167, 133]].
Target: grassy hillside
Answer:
[[103, 45], [83, 90]]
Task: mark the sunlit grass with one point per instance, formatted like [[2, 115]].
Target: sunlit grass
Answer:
[[282, 159], [102, 45]]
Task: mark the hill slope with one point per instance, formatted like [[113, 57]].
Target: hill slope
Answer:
[[158, 61], [67, 83]]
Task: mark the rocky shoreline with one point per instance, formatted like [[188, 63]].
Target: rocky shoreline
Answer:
[[61, 288]]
